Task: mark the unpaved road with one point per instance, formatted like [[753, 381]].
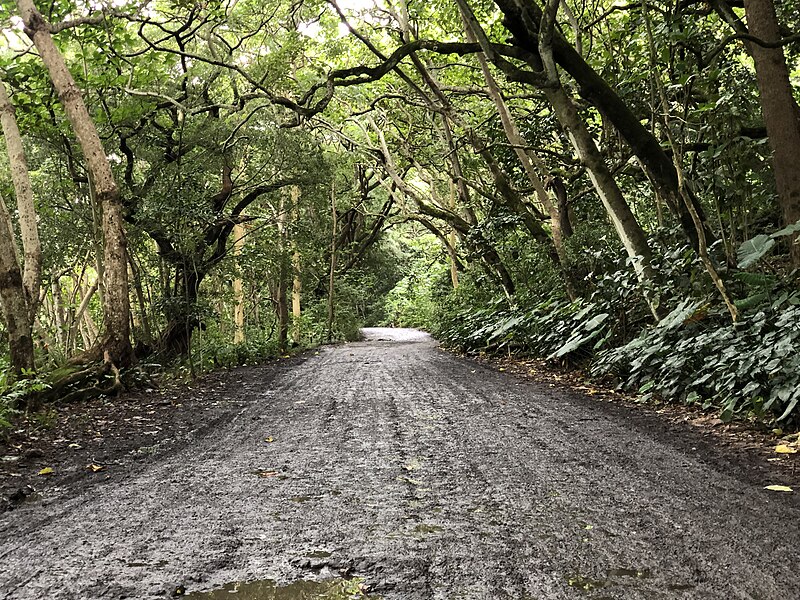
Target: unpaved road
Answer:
[[429, 476]]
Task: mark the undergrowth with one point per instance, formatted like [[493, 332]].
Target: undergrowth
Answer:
[[13, 392], [694, 355]]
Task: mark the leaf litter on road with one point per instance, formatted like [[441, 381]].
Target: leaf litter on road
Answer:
[[778, 488], [265, 474]]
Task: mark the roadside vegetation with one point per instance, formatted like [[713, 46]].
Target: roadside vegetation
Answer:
[[188, 186]]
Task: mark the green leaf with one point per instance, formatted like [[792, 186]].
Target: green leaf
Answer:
[[751, 251], [575, 342], [595, 321], [788, 230], [679, 314], [790, 408]]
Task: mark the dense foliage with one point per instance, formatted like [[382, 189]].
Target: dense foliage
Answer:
[[693, 355], [598, 184]]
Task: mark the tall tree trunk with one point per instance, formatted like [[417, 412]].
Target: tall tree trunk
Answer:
[[59, 317], [779, 108], [282, 306], [565, 223], [91, 328], [115, 343], [147, 331], [282, 285], [79, 312], [238, 288], [176, 338], [628, 229], [332, 273], [297, 283], [29, 231], [13, 298], [19, 287], [529, 161], [451, 247]]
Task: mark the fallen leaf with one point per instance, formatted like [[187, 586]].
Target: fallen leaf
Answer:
[[784, 449], [75, 446], [266, 474], [269, 440], [779, 488], [94, 468], [409, 480], [778, 431], [46, 471], [412, 465]]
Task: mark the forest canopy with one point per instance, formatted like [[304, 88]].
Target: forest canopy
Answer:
[[203, 184]]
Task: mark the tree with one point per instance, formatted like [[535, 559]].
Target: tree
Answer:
[[548, 79], [19, 287], [115, 344], [779, 108], [523, 20]]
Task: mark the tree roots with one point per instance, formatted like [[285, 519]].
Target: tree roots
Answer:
[[82, 382]]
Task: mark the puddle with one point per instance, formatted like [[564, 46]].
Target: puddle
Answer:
[[587, 584], [332, 589]]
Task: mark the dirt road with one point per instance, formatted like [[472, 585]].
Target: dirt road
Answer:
[[430, 477]]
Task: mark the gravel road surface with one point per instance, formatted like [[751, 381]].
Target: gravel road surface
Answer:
[[427, 475]]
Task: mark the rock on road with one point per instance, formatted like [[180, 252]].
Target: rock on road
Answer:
[[428, 475]]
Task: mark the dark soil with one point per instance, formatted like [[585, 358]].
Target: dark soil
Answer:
[[425, 474], [84, 443], [750, 442]]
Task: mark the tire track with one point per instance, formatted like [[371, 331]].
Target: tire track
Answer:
[[430, 476]]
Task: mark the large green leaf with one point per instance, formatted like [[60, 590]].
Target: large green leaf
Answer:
[[595, 321], [788, 230], [681, 312], [751, 251], [790, 408]]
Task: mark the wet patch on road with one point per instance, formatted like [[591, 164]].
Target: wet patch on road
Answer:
[[332, 589]]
